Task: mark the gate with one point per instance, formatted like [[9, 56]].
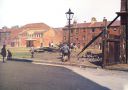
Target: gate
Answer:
[[113, 52]]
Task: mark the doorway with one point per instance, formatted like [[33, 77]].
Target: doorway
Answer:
[[29, 43]]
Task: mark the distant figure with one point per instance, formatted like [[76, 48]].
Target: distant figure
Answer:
[[32, 52], [3, 52], [65, 51], [52, 44], [75, 47], [9, 55], [49, 44], [41, 45], [72, 45]]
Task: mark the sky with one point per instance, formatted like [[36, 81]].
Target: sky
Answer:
[[52, 12]]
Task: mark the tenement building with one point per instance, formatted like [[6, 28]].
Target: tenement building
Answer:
[[82, 33]]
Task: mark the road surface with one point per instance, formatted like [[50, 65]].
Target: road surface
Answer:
[[16, 75]]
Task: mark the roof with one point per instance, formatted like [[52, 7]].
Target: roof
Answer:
[[2, 31], [15, 32], [36, 26], [58, 31], [116, 23], [58, 28], [99, 24], [82, 25], [96, 24]]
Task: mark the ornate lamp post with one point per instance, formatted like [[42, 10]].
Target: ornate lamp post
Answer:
[[69, 16]]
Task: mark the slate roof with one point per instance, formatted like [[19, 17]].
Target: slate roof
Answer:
[[90, 25]]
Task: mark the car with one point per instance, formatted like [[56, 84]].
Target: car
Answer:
[[48, 49], [39, 50]]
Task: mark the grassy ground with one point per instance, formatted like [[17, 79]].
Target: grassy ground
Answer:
[[19, 52], [24, 53]]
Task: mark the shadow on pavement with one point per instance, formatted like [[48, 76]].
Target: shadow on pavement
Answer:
[[20, 60], [98, 63]]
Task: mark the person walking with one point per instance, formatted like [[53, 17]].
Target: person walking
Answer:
[[32, 52], [3, 52], [65, 52]]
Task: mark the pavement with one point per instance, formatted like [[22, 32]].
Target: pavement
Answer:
[[87, 64], [120, 67], [73, 62]]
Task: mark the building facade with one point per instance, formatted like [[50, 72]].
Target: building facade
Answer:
[[4, 37], [33, 35], [82, 33]]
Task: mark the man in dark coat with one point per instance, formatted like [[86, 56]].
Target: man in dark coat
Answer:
[[3, 52]]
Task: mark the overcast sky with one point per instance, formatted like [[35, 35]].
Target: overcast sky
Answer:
[[52, 12]]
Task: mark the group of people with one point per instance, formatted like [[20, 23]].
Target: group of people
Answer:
[[5, 53], [51, 44]]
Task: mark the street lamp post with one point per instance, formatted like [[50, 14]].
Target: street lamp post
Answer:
[[104, 42], [69, 16]]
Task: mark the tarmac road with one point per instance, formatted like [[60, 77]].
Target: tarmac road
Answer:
[[16, 75]]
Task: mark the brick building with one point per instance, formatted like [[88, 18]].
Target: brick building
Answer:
[[40, 34], [82, 33], [34, 34], [4, 37]]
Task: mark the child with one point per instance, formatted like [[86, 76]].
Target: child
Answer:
[[9, 55]]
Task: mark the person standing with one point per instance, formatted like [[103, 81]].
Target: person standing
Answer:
[[52, 44], [3, 52]]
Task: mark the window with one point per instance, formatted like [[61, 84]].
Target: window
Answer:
[[71, 38], [83, 44], [32, 35], [77, 31], [64, 37], [115, 29], [64, 32], [84, 30], [39, 34], [77, 38], [84, 37], [93, 29], [71, 30]]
